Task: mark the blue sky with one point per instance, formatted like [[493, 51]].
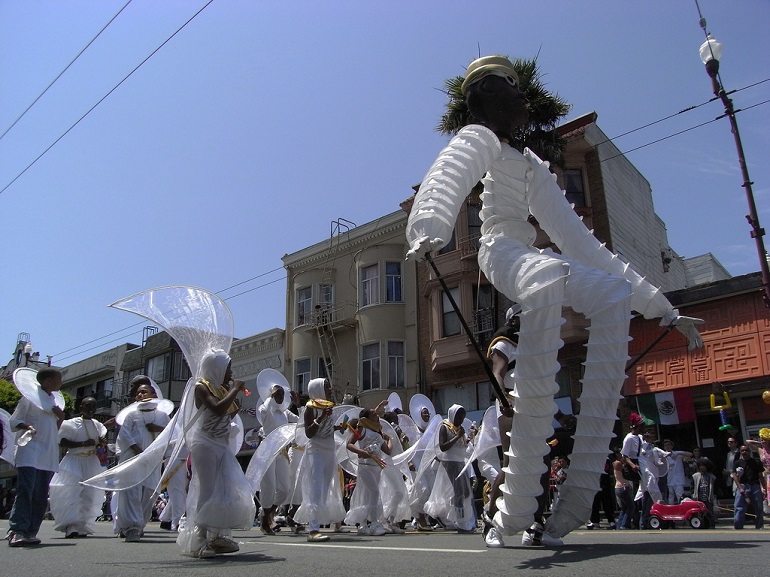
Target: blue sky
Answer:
[[259, 123]]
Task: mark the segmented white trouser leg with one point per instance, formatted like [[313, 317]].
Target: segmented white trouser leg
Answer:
[[537, 282], [605, 300]]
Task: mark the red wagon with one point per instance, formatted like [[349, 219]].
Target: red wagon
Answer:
[[693, 512]]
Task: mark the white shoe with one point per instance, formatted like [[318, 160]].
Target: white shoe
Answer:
[[550, 541], [528, 539], [391, 527], [224, 545], [205, 552], [493, 538], [363, 530], [133, 535], [376, 530]]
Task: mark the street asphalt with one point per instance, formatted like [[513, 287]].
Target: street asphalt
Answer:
[[720, 552]]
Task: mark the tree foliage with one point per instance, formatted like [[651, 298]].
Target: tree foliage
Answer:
[[546, 109], [9, 396]]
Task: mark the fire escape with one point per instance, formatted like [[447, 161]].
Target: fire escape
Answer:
[[330, 316]]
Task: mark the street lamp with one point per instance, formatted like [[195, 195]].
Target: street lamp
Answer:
[[710, 52], [34, 358]]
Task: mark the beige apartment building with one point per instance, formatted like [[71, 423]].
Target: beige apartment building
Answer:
[[351, 312]]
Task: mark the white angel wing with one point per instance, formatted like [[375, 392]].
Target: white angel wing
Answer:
[[199, 321], [267, 451], [488, 437]]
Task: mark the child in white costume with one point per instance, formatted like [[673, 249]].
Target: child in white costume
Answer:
[[321, 492], [586, 276], [132, 507], [37, 460], [371, 445], [274, 488], [75, 507], [451, 499], [219, 498]]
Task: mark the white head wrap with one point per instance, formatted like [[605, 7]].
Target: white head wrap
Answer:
[[452, 412], [316, 389], [214, 366]]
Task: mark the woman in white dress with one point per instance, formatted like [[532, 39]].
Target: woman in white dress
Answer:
[[321, 492], [451, 499]]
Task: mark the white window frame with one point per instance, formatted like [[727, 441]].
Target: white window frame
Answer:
[[394, 283], [302, 377], [396, 365], [448, 312], [304, 305], [370, 286], [371, 374]]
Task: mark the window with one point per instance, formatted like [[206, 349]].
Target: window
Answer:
[[103, 392], [370, 285], [474, 224], [82, 393], [326, 295], [563, 380], [450, 246], [573, 186], [181, 372], [450, 322], [322, 364], [393, 282], [396, 364], [159, 368], [483, 313], [370, 367], [304, 305], [301, 375], [472, 396]]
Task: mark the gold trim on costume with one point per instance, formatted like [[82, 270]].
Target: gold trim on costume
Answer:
[[220, 393], [319, 404], [495, 341]]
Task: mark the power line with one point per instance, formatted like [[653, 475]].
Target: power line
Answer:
[[55, 142], [688, 109], [101, 344], [680, 132], [7, 130]]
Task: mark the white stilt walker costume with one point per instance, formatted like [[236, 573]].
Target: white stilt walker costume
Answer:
[[586, 276]]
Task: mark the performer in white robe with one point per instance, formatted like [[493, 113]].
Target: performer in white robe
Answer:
[[321, 492], [451, 499], [75, 507], [132, 507], [274, 488], [371, 445], [219, 498], [586, 276], [422, 411]]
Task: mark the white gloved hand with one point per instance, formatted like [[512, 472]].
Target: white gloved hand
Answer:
[[423, 246], [686, 326]]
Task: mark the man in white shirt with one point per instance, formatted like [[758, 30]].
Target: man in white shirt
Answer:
[[36, 461]]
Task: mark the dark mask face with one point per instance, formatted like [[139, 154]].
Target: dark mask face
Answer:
[[498, 104]]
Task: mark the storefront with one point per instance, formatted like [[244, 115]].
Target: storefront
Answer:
[[703, 396]]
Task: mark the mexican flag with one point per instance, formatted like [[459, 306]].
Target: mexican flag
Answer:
[[667, 408]]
